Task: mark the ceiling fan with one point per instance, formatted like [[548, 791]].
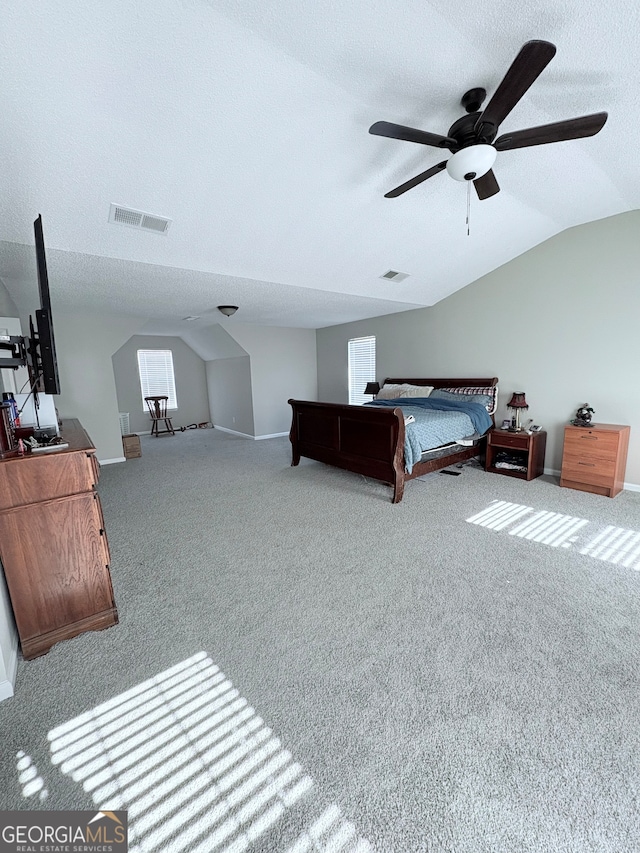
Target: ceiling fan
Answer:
[[471, 138]]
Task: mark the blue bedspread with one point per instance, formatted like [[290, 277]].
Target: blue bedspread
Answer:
[[437, 422]]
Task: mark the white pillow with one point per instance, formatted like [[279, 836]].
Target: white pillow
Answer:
[[392, 392], [416, 390], [389, 392]]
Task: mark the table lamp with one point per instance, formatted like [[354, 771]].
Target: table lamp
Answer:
[[372, 388], [517, 402]]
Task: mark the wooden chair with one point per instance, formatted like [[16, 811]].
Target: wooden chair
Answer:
[[158, 411]]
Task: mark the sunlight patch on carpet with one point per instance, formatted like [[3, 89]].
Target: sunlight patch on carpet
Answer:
[[192, 763], [611, 544]]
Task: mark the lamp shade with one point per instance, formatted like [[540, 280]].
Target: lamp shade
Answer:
[[472, 162], [372, 388], [227, 310], [517, 401]]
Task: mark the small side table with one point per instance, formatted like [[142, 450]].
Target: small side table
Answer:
[[530, 447]]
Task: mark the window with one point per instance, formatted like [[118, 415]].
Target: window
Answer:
[[155, 367], [362, 368]]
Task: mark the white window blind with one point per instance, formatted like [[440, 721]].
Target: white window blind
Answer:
[[155, 367], [362, 368]]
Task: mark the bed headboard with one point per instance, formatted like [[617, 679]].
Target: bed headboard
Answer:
[[448, 383], [489, 385]]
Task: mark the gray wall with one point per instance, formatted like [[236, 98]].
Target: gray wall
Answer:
[[85, 344], [190, 376], [559, 322], [230, 399], [8, 307], [283, 365]]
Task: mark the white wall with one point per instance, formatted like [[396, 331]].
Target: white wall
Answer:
[[559, 322], [10, 379], [8, 633], [190, 378], [8, 643]]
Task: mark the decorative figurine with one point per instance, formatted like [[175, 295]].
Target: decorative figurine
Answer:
[[583, 416]]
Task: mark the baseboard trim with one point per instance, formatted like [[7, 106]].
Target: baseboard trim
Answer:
[[246, 434], [112, 461], [233, 432], [6, 690]]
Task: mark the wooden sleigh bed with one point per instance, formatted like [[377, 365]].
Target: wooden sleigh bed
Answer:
[[370, 441]]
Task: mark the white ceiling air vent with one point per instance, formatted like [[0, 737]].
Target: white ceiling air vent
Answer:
[[394, 275], [138, 219]]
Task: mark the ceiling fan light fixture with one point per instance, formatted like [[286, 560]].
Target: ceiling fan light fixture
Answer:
[[471, 162], [227, 310]]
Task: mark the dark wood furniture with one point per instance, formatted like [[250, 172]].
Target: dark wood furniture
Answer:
[[158, 410], [594, 459], [369, 440], [528, 449], [53, 544]]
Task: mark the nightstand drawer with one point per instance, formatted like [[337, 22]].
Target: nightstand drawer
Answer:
[[591, 441], [505, 439]]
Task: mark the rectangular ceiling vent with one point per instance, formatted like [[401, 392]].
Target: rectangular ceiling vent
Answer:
[[394, 275], [138, 219]]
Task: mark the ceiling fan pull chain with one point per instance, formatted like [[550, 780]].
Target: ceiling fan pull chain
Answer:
[[468, 205]]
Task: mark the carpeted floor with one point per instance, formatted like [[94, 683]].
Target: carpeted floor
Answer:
[[301, 665]]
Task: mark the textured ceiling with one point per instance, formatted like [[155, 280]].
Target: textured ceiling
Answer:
[[245, 123]]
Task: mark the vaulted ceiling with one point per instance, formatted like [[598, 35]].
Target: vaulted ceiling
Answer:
[[246, 124]]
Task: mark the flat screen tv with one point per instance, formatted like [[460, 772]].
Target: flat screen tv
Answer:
[[38, 351], [42, 346]]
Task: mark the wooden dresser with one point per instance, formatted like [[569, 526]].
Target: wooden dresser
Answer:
[[53, 544], [594, 459]]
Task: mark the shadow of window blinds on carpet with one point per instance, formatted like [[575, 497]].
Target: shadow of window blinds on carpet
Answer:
[[194, 766], [611, 544]]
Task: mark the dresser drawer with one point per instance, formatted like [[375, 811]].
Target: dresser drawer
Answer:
[[588, 469], [33, 479], [589, 441]]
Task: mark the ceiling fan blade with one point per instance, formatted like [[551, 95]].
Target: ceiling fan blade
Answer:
[[533, 58], [415, 181], [411, 134], [573, 128], [486, 186]]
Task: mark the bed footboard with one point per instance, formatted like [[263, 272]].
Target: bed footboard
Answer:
[[362, 439]]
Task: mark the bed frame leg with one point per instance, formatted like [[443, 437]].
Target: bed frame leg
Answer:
[[398, 489], [293, 438]]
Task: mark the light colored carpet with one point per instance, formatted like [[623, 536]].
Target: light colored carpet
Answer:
[[302, 665]]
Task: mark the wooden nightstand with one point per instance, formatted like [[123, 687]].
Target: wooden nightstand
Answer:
[[594, 458], [527, 447]]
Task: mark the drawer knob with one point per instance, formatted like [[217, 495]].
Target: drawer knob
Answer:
[[588, 464]]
